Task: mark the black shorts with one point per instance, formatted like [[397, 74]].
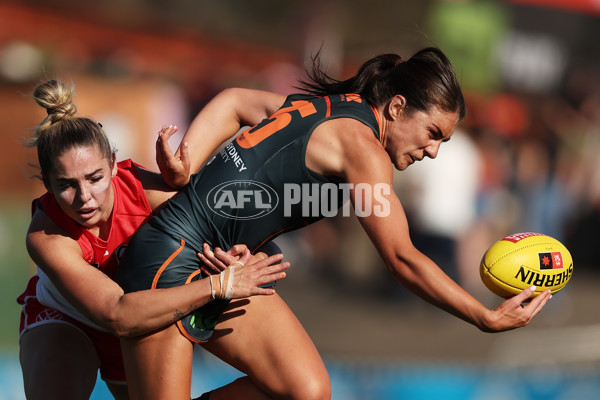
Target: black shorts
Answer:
[[155, 260]]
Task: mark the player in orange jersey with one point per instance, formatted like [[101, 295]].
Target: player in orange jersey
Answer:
[[341, 138]]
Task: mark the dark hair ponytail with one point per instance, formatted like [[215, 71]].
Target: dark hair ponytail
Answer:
[[426, 80]]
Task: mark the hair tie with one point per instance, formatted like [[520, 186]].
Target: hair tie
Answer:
[[50, 110], [398, 62]]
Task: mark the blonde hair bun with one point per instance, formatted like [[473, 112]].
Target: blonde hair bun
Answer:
[[57, 98]]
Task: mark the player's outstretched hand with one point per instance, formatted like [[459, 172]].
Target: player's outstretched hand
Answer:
[[517, 311], [244, 274], [175, 168]]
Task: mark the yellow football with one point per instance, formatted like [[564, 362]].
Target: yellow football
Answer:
[[521, 260]]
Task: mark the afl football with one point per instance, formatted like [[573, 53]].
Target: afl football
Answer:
[[522, 260]]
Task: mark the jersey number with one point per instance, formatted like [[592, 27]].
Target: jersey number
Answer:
[[276, 122]]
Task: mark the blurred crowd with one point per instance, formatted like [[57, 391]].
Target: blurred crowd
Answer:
[[515, 164], [525, 159]]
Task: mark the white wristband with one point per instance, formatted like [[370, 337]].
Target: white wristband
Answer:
[[226, 278], [225, 282], [213, 290]]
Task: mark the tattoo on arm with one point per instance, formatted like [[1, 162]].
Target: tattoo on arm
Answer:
[[177, 315]]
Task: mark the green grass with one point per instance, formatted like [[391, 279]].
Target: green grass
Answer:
[[15, 267]]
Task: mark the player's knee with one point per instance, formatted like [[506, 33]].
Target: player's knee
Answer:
[[318, 391], [311, 387]]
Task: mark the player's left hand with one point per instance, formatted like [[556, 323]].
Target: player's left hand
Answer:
[[245, 275], [517, 311], [175, 168]]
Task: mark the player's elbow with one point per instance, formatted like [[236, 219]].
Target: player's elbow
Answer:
[[401, 264], [229, 96], [123, 328], [115, 324], [124, 332], [121, 323], [401, 271]]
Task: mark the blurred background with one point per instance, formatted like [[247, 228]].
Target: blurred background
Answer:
[[524, 159]]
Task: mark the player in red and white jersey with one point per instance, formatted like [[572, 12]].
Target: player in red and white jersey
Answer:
[[73, 311], [130, 209]]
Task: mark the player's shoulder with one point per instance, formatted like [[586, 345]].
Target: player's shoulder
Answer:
[[155, 191], [356, 145], [356, 135], [43, 229]]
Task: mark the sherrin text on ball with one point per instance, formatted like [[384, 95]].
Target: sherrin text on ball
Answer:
[[522, 260]]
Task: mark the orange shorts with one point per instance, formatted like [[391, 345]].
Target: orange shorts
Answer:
[[107, 345]]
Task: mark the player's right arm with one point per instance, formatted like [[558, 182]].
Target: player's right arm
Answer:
[[103, 301], [217, 122]]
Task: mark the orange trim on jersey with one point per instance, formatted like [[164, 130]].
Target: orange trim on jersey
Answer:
[[378, 121], [166, 263], [187, 335], [353, 97], [193, 274], [328, 102]]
